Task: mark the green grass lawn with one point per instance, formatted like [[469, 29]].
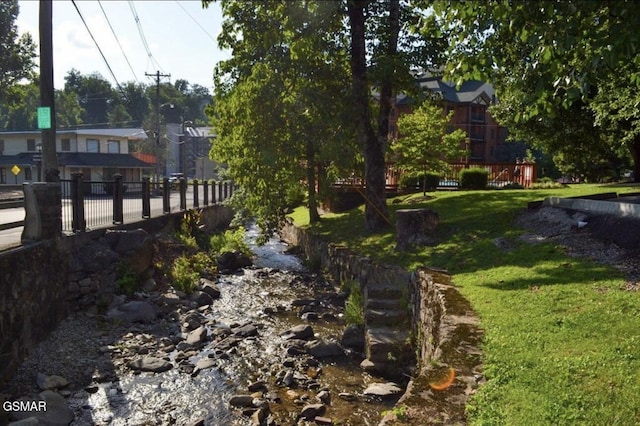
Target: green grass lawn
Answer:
[[562, 338]]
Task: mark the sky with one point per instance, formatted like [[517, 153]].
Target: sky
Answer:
[[180, 39]]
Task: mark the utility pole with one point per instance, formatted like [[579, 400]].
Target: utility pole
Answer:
[[157, 75], [49, 159]]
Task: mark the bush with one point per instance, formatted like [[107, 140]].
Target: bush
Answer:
[[127, 280], [354, 306], [230, 240], [416, 181], [546, 183], [295, 195], [474, 178], [187, 269]]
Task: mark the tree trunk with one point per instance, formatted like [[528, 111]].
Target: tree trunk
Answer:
[[634, 148], [373, 150], [314, 216]]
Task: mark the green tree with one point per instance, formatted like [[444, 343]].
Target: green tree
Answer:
[[17, 52], [21, 112], [95, 96], [68, 109], [279, 110], [425, 144], [550, 54]]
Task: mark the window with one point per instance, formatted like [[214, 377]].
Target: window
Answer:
[[113, 147], [65, 144], [93, 145], [31, 145], [3, 175], [1, 146], [27, 173]]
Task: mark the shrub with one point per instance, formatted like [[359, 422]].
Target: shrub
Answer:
[[190, 233], [354, 306], [474, 178], [127, 280], [546, 183], [230, 240], [187, 269], [417, 181]]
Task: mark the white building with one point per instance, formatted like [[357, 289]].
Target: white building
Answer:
[[97, 153]]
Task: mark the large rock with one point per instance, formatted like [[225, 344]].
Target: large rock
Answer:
[[353, 337], [134, 311], [197, 336], [302, 331], [322, 349], [93, 257], [201, 298], [309, 412], [136, 247], [149, 363], [209, 287], [232, 261], [51, 382], [383, 389], [415, 227]]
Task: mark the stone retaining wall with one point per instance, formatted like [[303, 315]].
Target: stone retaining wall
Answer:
[[443, 324], [41, 283], [427, 301], [32, 300]]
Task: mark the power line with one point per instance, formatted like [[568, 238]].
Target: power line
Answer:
[[97, 45], [118, 40], [194, 20], [142, 36]]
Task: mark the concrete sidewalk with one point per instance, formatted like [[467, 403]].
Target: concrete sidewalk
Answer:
[[622, 206]]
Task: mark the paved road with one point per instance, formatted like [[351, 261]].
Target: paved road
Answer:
[[98, 214]]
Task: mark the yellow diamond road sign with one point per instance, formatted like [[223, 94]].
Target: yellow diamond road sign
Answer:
[[15, 169]]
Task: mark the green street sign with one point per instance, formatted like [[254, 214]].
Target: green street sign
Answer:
[[44, 117]]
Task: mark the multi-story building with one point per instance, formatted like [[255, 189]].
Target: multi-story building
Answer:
[[97, 153], [188, 151], [469, 103]]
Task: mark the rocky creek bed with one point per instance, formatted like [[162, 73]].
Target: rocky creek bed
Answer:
[[261, 346]]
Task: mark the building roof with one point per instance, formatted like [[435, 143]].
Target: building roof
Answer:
[[77, 159], [131, 134], [89, 159], [472, 91]]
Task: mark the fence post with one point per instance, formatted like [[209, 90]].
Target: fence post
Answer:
[[118, 199], [196, 196], [166, 193], [213, 192], [146, 198], [231, 185], [205, 191], [226, 190], [220, 188], [78, 223], [183, 194]]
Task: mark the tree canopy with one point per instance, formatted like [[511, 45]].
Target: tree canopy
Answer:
[[426, 145], [17, 52], [326, 60], [279, 108], [555, 63]]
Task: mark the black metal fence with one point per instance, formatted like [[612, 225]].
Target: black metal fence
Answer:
[[92, 204]]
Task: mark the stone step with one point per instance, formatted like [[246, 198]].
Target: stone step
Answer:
[[384, 343], [388, 304], [382, 291], [386, 318]]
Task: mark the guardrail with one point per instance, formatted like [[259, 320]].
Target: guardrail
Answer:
[[92, 204]]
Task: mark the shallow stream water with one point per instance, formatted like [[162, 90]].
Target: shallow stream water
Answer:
[[262, 296]]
